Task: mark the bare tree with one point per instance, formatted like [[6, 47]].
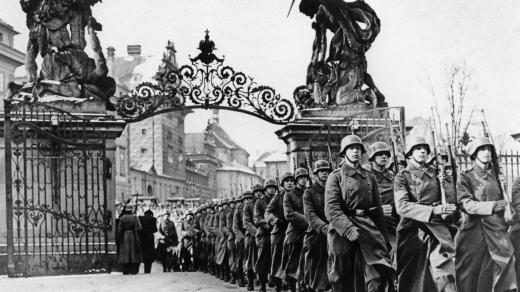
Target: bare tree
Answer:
[[457, 85]]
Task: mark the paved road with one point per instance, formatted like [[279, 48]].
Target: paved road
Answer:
[[156, 281]]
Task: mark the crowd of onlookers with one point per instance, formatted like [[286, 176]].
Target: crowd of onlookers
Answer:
[[149, 232]]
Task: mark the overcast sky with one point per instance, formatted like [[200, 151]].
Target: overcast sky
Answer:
[[418, 39]]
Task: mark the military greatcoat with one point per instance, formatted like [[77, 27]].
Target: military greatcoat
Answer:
[[352, 199], [231, 240], [222, 254], [425, 248], [263, 244], [275, 217], [315, 239], [249, 242], [292, 261], [239, 230], [485, 253], [129, 251]]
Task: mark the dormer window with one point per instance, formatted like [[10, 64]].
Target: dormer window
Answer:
[[1, 37]]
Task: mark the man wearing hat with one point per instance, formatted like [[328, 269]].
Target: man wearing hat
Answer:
[[170, 239], [149, 227], [315, 239], [263, 243], [292, 261], [231, 241], [359, 258], [249, 225], [276, 218], [186, 250], [196, 238], [485, 254], [222, 255], [129, 248], [239, 231], [210, 238], [202, 256], [425, 248], [379, 155]]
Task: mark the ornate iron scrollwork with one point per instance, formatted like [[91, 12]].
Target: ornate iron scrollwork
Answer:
[[209, 84]]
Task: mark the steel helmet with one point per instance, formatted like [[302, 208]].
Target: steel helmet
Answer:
[[258, 187], [239, 198], [287, 176], [300, 172], [270, 183], [478, 143], [378, 147], [247, 195], [321, 165], [416, 141], [225, 201], [349, 141]]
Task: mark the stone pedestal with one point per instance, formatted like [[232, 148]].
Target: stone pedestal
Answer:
[[317, 133]]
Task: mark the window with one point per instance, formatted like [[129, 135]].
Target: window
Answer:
[[122, 162], [149, 190], [169, 136], [143, 131], [143, 150], [180, 120], [179, 139], [2, 82], [1, 37], [170, 154]]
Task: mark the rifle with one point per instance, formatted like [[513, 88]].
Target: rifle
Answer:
[[392, 139], [509, 212], [439, 168], [452, 161], [308, 162]]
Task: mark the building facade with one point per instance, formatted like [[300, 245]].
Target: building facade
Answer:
[[10, 58]]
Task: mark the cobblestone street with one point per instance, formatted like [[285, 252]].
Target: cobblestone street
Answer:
[[156, 281]]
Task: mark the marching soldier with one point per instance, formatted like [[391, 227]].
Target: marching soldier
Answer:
[[169, 231], [231, 241], [210, 235], [275, 217], [379, 155], [222, 255], [515, 229], [203, 258], [263, 243], [197, 239], [239, 230], [485, 253], [249, 242], [425, 248], [216, 238], [292, 261], [315, 240], [358, 245]]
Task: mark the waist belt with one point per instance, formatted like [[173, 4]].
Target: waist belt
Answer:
[[364, 212], [430, 204]]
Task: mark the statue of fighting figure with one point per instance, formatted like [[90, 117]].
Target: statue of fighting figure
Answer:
[[59, 30], [341, 77]]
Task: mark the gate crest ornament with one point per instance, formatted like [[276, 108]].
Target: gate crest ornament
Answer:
[[208, 84]]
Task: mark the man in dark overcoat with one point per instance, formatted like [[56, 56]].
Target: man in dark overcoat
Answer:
[[358, 247], [249, 241], [263, 243], [315, 239], [239, 231], [275, 217], [231, 241], [222, 255], [292, 260], [129, 249], [169, 241], [149, 227]]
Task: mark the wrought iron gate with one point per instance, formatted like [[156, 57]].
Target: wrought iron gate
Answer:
[[56, 200]]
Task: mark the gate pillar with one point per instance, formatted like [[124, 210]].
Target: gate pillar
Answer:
[[317, 133]]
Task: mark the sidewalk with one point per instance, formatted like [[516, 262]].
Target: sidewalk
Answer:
[[156, 281]]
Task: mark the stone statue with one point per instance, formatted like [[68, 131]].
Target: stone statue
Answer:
[[57, 31], [340, 78]]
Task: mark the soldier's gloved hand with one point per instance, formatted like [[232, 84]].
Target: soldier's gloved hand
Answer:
[[499, 206], [387, 210], [325, 229], [352, 233], [447, 209]]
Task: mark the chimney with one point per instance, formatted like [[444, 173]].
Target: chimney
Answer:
[[215, 119], [134, 50], [111, 53]]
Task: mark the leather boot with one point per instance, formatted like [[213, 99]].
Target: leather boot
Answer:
[[241, 282], [233, 278], [263, 287], [278, 284], [250, 281], [270, 283]]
